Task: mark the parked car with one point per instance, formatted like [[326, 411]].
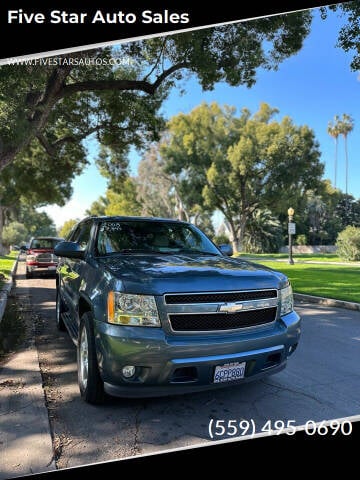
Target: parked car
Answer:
[[40, 257], [155, 308]]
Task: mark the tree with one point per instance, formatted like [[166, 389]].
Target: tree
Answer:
[[347, 210], [316, 217], [98, 207], [263, 233], [155, 188], [192, 142], [334, 132], [349, 34], [33, 181], [37, 223], [54, 106], [237, 165], [124, 202], [28, 222], [346, 125], [14, 234], [348, 244], [67, 227], [326, 213]]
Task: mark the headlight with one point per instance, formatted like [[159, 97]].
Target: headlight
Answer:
[[287, 300], [31, 258], [134, 310]]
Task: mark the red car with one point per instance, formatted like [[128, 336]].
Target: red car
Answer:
[[40, 255]]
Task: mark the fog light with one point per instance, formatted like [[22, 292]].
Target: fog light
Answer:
[[128, 371]]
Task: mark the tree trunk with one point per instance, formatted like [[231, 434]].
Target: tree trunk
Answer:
[[181, 211], [241, 233], [335, 162], [234, 240], [346, 166]]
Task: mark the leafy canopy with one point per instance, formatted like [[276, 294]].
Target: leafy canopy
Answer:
[[238, 164], [53, 108]]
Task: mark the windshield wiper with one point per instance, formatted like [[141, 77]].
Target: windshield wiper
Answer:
[[134, 250], [201, 252]]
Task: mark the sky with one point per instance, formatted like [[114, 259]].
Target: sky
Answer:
[[310, 87]]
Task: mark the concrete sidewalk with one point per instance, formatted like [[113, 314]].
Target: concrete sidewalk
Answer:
[[25, 436]]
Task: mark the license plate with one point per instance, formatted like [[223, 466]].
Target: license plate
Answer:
[[52, 268], [229, 372]]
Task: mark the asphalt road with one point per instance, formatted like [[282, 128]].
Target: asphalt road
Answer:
[[321, 382]]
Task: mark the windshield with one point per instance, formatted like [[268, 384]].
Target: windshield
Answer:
[[44, 243], [156, 237]]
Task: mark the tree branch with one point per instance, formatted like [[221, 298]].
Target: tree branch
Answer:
[[121, 85], [157, 60], [56, 89], [168, 72], [101, 85], [49, 149]]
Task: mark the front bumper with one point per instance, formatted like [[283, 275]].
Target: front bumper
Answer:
[[167, 365]]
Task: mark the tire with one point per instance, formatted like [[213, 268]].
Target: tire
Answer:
[[59, 310], [28, 274], [90, 383]]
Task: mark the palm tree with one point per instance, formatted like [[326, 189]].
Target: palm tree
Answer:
[[264, 232], [346, 125], [334, 132]]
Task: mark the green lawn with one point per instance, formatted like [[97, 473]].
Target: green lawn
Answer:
[[6, 264], [330, 281], [312, 257]]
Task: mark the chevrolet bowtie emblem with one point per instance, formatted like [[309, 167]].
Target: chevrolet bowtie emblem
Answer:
[[230, 307]]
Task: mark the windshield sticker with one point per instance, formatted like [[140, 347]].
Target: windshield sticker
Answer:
[[111, 227]]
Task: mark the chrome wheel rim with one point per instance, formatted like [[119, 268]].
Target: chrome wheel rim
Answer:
[[84, 359]]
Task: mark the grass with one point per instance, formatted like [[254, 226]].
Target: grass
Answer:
[[330, 281], [310, 257], [6, 264]]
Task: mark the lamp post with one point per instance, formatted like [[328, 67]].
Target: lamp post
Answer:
[[291, 232]]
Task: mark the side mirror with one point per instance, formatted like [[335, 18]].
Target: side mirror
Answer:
[[226, 249], [68, 249]]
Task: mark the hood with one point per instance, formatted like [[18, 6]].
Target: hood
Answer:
[[159, 274]]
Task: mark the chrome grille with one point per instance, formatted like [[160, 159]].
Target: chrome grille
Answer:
[[184, 298], [216, 311], [46, 258]]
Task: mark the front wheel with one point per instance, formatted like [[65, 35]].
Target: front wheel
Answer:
[[90, 383]]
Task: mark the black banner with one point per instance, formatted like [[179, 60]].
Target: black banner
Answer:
[[303, 451], [29, 29]]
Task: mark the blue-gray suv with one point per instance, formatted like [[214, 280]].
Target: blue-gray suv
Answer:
[[155, 308]]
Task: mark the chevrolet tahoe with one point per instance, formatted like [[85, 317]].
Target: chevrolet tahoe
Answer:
[[155, 308]]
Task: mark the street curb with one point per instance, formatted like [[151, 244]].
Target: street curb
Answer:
[[6, 289], [328, 302], [26, 443]]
